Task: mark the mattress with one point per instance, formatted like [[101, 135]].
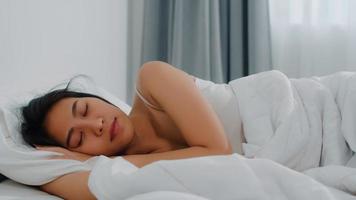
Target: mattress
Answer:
[[11, 190]]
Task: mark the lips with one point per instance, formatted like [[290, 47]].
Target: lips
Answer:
[[113, 129]]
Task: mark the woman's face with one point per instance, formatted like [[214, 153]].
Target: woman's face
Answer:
[[89, 125]]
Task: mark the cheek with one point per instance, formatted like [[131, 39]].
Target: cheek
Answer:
[[95, 146]]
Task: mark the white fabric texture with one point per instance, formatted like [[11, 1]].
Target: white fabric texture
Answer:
[[210, 177], [296, 122], [27, 165], [291, 126], [223, 101], [164, 195]]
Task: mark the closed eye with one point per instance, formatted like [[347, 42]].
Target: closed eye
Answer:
[[76, 139], [86, 110], [81, 138]]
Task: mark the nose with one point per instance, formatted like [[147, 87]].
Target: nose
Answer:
[[92, 125]]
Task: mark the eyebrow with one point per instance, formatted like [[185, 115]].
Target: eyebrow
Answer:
[[70, 132]]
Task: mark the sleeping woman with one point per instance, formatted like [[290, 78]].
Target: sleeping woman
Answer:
[[170, 119]]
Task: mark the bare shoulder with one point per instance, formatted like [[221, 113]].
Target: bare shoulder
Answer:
[[157, 72], [176, 93], [156, 66], [156, 69]]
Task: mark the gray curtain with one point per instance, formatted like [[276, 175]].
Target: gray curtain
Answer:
[[259, 38], [216, 40]]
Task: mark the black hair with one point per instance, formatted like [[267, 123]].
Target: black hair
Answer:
[[34, 114]]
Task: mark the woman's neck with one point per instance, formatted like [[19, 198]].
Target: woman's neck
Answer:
[[144, 137]]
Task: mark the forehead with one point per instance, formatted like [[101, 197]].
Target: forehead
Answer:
[[58, 118]]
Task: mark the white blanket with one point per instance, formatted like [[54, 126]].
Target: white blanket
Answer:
[[211, 177], [307, 125], [297, 122]]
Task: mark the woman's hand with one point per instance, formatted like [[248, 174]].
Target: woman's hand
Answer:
[[67, 154]]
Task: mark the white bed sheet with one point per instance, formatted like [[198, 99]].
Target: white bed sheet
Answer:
[[11, 190]]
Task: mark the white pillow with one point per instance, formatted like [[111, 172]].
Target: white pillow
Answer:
[[21, 162]]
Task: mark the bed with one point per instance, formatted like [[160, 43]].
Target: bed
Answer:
[[10, 190], [306, 151]]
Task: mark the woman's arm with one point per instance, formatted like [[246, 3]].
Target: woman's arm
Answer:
[[145, 159], [72, 186], [175, 92]]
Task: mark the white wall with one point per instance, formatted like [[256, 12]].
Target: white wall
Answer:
[[43, 42]]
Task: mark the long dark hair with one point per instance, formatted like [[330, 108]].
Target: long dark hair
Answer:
[[34, 114]]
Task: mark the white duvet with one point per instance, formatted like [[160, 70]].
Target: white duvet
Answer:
[[302, 133], [211, 177]]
